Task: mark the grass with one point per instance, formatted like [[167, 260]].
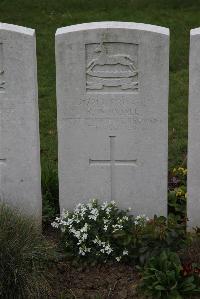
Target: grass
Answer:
[[24, 255], [46, 16]]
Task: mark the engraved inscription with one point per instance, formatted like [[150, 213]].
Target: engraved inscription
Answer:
[[108, 107], [2, 82], [112, 163], [111, 67]]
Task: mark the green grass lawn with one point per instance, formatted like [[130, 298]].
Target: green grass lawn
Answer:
[[46, 16]]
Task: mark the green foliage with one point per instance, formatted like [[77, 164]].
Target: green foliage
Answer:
[[159, 234], [49, 194], [149, 240], [190, 256], [162, 278], [24, 255], [177, 195], [177, 203]]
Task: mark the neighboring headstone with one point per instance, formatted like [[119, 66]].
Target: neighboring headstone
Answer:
[[112, 95], [193, 201], [19, 126]]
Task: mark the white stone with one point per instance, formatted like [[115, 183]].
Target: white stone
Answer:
[[112, 98], [193, 184], [19, 126]]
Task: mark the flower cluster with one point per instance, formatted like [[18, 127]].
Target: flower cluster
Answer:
[[180, 171], [180, 192], [91, 230]]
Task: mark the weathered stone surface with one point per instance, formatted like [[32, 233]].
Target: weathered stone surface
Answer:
[[193, 202], [112, 96], [19, 130]]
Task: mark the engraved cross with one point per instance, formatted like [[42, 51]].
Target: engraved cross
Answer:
[[112, 163]]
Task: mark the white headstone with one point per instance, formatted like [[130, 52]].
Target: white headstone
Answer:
[[112, 95], [193, 201], [19, 129]]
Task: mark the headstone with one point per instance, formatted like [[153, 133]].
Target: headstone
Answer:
[[19, 129], [193, 185], [112, 95]]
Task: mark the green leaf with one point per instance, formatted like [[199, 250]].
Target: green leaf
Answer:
[[191, 287], [160, 288]]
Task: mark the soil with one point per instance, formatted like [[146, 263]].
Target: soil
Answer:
[[105, 281]]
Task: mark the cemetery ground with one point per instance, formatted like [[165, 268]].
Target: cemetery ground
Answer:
[[70, 279]]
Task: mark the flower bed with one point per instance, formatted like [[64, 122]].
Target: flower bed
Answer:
[[102, 233]]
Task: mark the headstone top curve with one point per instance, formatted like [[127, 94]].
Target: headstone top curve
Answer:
[[195, 31], [113, 24], [17, 29]]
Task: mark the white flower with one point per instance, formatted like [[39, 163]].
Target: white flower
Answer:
[[91, 203], [103, 244], [84, 228], [117, 227], [84, 236], [79, 211], [113, 203], [81, 251], [141, 220], [139, 217], [108, 210], [69, 221], [55, 224], [64, 214], [105, 220], [94, 214], [97, 241], [62, 222], [105, 227], [77, 220], [104, 205], [92, 217], [108, 249], [125, 252], [76, 233], [129, 209], [94, 211], [118, 258]]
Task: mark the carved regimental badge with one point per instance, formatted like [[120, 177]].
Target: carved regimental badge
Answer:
[[2, 82], [112, 67]]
